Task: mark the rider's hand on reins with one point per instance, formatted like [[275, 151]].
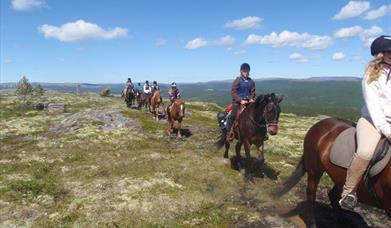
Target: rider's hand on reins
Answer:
[[389, 139], [243, 102]]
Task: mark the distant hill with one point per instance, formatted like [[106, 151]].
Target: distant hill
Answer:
[[333, 96]]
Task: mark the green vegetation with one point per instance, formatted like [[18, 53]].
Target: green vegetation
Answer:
[[88, 177]]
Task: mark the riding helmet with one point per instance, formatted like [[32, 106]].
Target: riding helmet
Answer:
[[154, 82], [245, 67], [129, 79], [146, 81], [173, 84], [381, 44]]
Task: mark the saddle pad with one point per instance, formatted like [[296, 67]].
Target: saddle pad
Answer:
[[345, 146]]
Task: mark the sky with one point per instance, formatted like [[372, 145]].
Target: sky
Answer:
[[104, 41]]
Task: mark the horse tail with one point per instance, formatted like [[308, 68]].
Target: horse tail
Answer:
[[292, 180], [221, 141]]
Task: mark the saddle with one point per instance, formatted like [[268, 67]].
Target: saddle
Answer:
[[231, 132], [345, 146]]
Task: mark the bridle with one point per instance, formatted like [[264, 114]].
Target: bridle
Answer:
[[273, 123]]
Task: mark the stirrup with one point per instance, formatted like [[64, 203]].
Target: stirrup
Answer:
[[348, 202]]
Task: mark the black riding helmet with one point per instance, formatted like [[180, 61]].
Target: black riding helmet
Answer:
[[147, 82], [245, 67], [381, 44], [154, 82]]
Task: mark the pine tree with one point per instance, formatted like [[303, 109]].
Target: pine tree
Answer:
[[24, 89]]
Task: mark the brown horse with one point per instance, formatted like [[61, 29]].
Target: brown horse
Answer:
[[128, 94], [176, 113], [258, 117], [155, 103], [316, 160]]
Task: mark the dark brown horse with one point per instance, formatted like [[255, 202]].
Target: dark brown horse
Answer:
[[176, 113], [316, 160], [156, 99], [128, 94], [258, 117]]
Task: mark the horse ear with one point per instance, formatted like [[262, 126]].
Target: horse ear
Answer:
[[260, 98], [279, 99]]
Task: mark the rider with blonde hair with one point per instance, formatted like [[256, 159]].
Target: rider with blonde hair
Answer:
[[376, 117]]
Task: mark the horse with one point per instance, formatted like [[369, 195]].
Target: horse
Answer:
[[128, 93], [155, 103], [138, 96], [176, 113], [146, 100], [258, 118], [316, 160]]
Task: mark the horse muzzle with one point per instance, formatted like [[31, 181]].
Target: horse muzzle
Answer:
[[272, 128]]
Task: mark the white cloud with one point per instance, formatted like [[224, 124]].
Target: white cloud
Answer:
[[348, 32], [297, 57], [80, 30], [293, 39], [244, 23], [368, 35], [201, 42], [24, 5], [240, 52], [338, 56], [160, 42], [356, 58], [196, 43], [352, 9], [380, 12], [7, 61]]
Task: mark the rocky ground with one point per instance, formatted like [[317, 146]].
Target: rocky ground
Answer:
[[102, 164]]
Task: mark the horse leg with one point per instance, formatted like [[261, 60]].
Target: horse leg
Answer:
[[179, 129], [157, 114], [312, 185], [226, 149], [169, 126], [260, 147], [247, 147], [237, 150]]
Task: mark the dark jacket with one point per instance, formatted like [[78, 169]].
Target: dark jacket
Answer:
[[242, 89]]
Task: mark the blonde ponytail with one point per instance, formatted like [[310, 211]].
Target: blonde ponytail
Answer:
[[374, 68]]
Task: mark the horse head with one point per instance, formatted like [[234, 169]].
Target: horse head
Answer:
[[180, 106], [270, 110]]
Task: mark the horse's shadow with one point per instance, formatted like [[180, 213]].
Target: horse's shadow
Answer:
[[326, 216], [186, 133], [254, 168]]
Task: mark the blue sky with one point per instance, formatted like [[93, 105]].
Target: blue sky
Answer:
[[186, 41]]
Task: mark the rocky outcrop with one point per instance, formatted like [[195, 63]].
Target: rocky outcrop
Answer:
[[107, 120]]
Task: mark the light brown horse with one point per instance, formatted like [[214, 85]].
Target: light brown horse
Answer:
[[316, 160], [176, 113], [155, 103]]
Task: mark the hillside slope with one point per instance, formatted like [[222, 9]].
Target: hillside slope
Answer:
[[92, 173]]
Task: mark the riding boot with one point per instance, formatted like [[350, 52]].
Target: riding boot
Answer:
[[354, 174], [230, 121]]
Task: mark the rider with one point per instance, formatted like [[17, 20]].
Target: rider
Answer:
[[375, 117], [242, 92], [155, 87], [127, 85], [173, 94], [139, 87], [147, 88]]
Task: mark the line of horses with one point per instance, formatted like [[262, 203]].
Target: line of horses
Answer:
[[152, 103]]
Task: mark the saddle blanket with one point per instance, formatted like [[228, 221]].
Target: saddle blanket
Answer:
[[344, 148]]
